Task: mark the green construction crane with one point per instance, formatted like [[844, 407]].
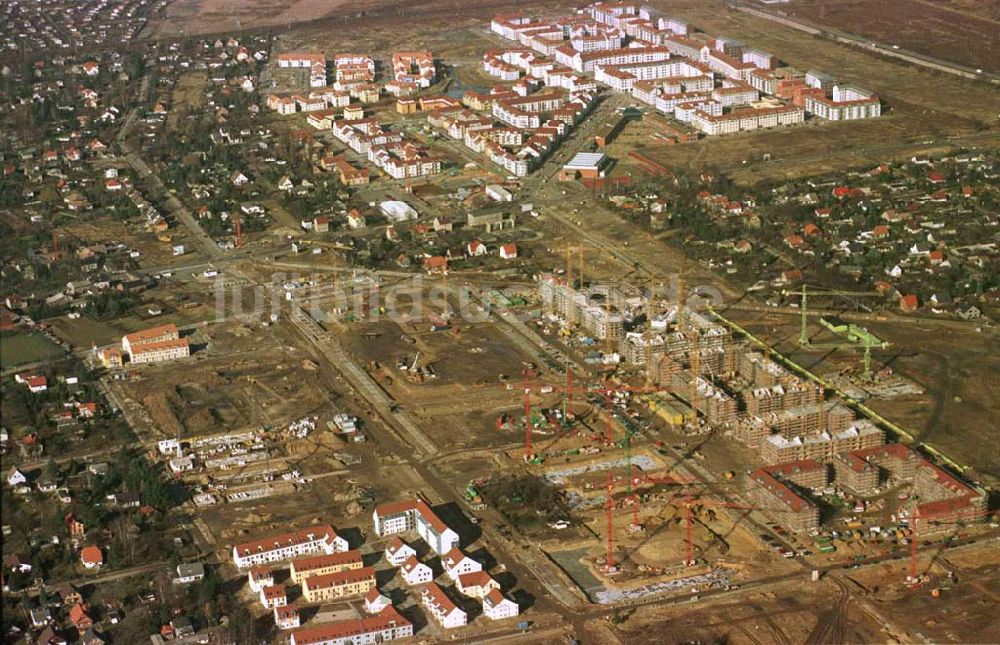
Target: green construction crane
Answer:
[[856, 337]]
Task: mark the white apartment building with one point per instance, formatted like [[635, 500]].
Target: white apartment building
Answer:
[[277, 548], [399, 517], [444, 610], [385, 626]]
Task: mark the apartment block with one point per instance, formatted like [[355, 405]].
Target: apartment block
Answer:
[[319, 565], [388, 625], [277, 548], [331, 586]]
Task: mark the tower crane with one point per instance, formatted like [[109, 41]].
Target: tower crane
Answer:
[[855, 335]]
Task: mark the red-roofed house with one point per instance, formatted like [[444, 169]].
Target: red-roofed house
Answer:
[[91, 557], [475, 248], [476, 584], [287, 617], [442, 607], [78, 615], [455, 563], [496, 607], [909, 302], [397, 552], [375, 602], [415, 572], [273, 596], [508, 251]]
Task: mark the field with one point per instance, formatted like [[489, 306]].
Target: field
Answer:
[[22, 348], [923, 112], [963, 31]]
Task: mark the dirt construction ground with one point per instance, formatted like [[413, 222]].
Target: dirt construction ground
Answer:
[[963, 31]]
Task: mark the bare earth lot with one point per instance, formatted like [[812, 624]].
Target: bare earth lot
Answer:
[[964, 31]]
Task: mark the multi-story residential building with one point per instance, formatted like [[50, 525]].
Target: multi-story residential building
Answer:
[[277, 548], [318, 565], [159, 351], [349, 582], [386, 626], [855, 473], [444, 610], [287, 617], [781, 503], [847, 103], [399, 517], [497, 607], [821, 446], [807, 473], [747, 119], [151, 335]]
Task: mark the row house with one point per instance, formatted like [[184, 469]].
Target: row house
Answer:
[[685, 111], [588, 62], [309, 103], [299, 59], [602, 41], [320, 565], [283, 105], [277, 548], [679, 46], [444, 610], [322, 119], [160, 351], [504, 71], [403, 159], [331, 586], [385, 626], [806, 473], [757, 58]]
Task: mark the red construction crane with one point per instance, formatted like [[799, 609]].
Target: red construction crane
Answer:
[[609, 560]]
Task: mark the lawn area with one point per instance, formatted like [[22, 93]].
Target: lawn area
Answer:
[[18, 349]]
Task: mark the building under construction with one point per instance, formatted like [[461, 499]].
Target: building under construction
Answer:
[[803, 420], [822, 445], [776, 499], [599, 309]]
